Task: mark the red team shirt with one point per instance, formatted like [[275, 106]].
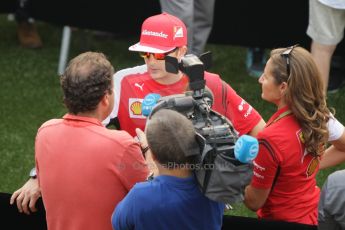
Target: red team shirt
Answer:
[[108, 163], [133, 84], [294, 196]]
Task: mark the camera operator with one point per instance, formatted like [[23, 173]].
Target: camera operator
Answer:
[[161, 35], [174, 197]]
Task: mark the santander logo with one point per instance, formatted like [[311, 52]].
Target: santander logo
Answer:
[[156, 34]]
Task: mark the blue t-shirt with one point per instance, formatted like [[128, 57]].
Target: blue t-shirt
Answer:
[[167, 202]]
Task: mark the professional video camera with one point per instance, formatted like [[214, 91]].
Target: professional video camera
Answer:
[[221, 176], [196, 105]]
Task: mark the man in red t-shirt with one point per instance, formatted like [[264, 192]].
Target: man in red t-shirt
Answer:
[[161, 35], [84, 169]]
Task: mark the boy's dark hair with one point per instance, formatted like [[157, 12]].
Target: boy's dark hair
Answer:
[[172, 139], [85, 81]]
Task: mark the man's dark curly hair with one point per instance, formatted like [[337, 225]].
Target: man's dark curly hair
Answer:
[[85, 81]]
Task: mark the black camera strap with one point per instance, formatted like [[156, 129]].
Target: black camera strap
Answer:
[[208, 157]]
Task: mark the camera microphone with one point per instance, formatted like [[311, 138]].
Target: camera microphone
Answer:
[[150, 100], [246, 148]]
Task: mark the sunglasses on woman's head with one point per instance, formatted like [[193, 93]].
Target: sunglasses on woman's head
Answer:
[[286, 55], [157, 56]]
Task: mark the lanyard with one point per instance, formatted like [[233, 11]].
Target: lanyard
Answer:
[[284, 114]]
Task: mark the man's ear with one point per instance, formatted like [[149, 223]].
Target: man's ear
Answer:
[[105, 99]]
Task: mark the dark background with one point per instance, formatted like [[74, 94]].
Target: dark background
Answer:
[[266, 24]]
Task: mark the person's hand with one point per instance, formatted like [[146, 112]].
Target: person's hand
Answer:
[[148, 155], [141, 137], [27, 196]]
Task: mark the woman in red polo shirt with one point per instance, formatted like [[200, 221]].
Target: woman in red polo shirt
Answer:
[[284, 185]]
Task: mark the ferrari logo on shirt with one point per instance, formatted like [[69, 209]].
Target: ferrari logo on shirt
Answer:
[[134, 108], [312, 166]]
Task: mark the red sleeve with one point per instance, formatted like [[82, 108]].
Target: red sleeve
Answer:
[[134, 167], [265, 166], [227, 102], [243, 116]]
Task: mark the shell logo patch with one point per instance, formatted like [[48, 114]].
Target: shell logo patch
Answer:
[[312, 166], [134, 108]]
